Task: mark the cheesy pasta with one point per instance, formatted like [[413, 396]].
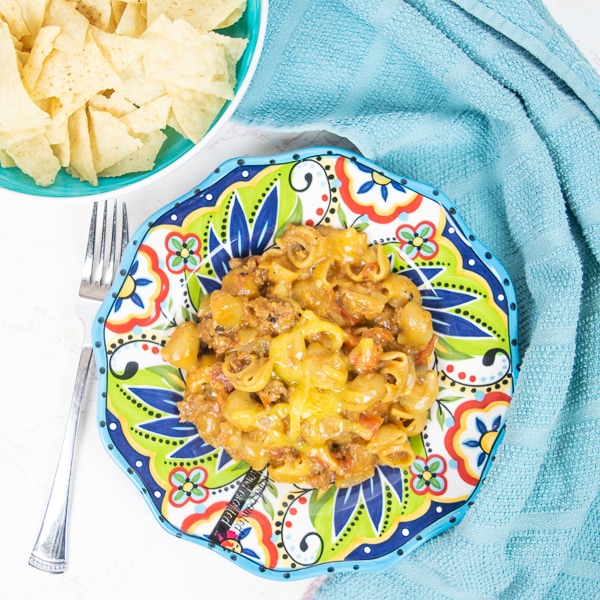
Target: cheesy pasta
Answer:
[[312, 359]]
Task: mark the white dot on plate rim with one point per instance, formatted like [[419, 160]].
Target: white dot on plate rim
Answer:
[[157, 494], [367, 550], [138, 463], [438, 509], [245, 173], [405, 532], [209, 196], [173, 217], [112, 426], [451, 230], [471, 262], [500, 297]]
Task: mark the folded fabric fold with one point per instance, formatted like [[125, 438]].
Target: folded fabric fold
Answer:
[[492, 103]]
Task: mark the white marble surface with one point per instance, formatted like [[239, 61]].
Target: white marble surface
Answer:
[[116, 547]]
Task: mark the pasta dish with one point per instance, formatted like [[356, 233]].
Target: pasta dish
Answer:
[[312, 359]]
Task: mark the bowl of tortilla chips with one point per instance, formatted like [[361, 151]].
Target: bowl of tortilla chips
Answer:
[[101, 95]]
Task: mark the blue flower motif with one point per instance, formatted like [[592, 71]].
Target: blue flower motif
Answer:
[[168, 424], [439, 301], [486, 440], [233, 542], [371, 492], [130, 285], [379, 180], [243, 238]]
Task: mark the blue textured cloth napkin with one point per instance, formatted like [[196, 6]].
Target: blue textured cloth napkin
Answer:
[[492, 103]]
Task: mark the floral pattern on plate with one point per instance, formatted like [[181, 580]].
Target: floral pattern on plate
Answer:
[[198, 492]]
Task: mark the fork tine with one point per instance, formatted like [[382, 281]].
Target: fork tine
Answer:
[[100, 264], [125, 231], [88, 263], [109, 272]]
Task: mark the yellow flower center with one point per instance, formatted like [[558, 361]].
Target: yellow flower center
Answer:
[[184, 253], [427, 475], [232, 545], [188, 486], [380, 179], [487, 441], [128, 287], [417, 241]]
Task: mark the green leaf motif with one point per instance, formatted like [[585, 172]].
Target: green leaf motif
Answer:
[[435, 483], [450, 398], [342, 217], [179, 477], [316, 502], [272, 488], [435, 466], [268, 507], [170, 376], [176, 261], [440, 417], [449, 352], [198, 492], [295, 217]]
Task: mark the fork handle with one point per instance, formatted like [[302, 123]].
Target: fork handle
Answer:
[[49, 552]]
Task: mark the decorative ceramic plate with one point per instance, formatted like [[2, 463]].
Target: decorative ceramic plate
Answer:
[[198, 492]]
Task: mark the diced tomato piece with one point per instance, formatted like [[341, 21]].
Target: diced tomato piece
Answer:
[[372, 422], [423, 356]]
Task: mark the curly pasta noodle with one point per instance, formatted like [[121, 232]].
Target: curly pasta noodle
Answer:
[[312, 359]]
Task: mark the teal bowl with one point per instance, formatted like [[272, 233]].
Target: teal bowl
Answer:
[[175, 149]]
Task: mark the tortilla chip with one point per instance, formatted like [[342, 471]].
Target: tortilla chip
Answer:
[[142, 160], [110, 140], [82, 75], [195, 111], [6, 161], [33, 12], [35, 158], [149, 117], [204, 15], [11, 13], [12, 137], [58, 131], [81, 163], [62, 151], [114, 103], [118, 7], [137, 87], [72, 37], [43, 45], [97, 12], [17, 110], [202, 67], [234, 49], [132, 21], [120, 50]]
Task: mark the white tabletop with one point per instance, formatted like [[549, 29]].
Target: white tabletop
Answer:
[[116, 548]]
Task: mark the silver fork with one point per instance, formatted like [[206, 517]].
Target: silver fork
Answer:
[[49, 552]]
